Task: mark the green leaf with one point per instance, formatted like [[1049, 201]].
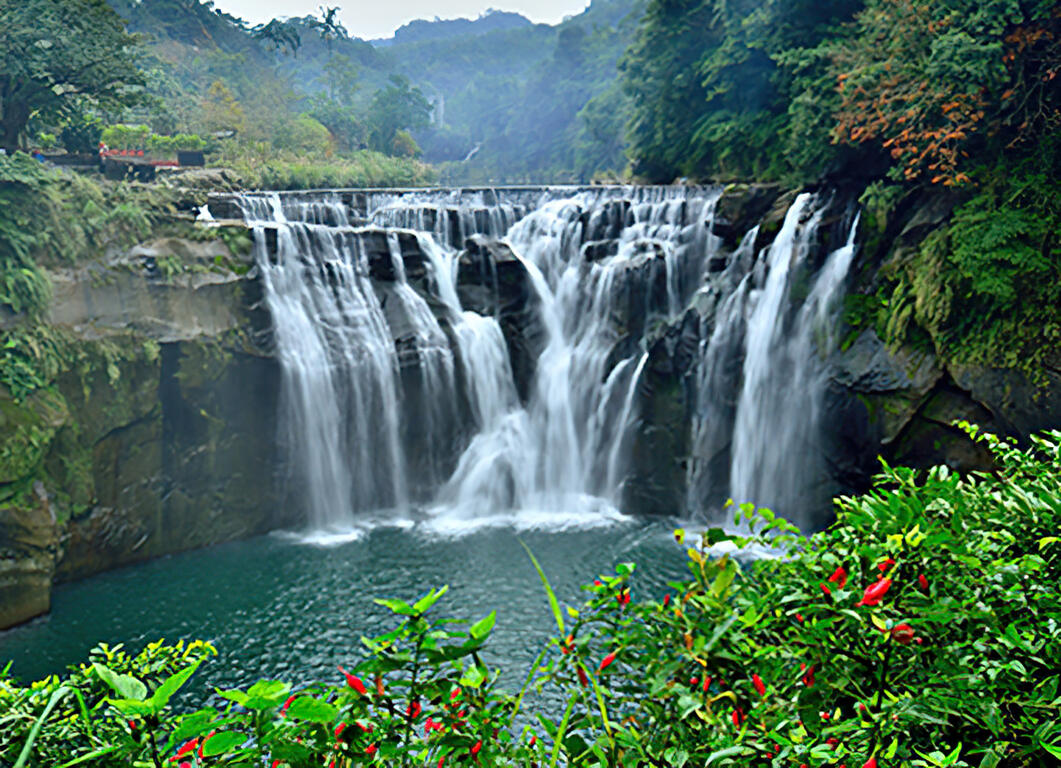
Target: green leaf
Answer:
[[27, 748], [128, 687], [269, 689], [222, 742], [473, 677], [234, 695], [728, 752], [91, 756], [423, 605], [314, 710], [1053, 749], [160, 698], [394, 605], [132, 707], [553, 603], [481, 628]]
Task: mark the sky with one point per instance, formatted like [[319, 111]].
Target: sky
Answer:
[[379, 18]]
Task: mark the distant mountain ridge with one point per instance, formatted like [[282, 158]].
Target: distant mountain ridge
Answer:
[[420, 30]]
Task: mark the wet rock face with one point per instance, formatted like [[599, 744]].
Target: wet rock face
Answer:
[[29, 544], [492, 281], [158, 434]]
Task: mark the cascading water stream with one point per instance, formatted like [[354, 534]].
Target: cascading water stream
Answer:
[[398, 397]]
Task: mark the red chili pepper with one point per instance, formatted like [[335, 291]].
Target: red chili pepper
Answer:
[[871, 763], [339, 729], [606, 661], [884, 566], [903, 634], [185, 749], [666, 600], [707, 682], [534, 740], [354, 682], [922, 581], [370, 749], [808, 677], [283, 709], [828, 592], [413, 710], [875, 592], [758, 683], [582, 677], [477, 747], [203, 742], [839, 576]]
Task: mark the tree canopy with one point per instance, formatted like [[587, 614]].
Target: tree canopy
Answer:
[[58, 57]]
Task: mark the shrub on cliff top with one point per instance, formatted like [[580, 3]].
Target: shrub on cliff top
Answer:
[[918, 630]]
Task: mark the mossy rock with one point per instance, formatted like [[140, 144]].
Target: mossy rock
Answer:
[[26, 432]]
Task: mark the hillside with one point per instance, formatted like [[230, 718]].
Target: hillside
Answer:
[[483, 79]]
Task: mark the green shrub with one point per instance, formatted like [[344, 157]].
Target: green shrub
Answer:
[[260, 167], [919, 630], [986, 287], [126, 136]]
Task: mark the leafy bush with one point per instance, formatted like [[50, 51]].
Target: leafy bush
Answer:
[[260, 167], [126, 136], [986, 288], [169, 145], [918, 630]]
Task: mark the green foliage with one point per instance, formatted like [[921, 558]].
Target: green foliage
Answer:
[[56, 57], [985, 287], [917, 630], [400, 106], [303, 134], [423, 694], [264, 169], [169, 145], [81, 133], [126, 136], [792, 659], [723, 89]]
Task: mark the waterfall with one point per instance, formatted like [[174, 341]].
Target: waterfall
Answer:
[[398, 400], [767, 419]]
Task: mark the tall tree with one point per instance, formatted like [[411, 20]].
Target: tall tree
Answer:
[[59, 56], [399, 106]]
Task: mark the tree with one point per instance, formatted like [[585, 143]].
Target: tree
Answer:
[[59, 56], [221, 112], [934, 83], [342, 79], [397, 107]]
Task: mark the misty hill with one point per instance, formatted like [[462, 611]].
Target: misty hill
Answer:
[[528, 102], [440, 29]]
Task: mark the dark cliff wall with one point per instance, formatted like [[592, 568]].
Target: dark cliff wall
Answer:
[[158, 433]]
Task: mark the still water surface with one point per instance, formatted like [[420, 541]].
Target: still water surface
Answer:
[[278, 607]]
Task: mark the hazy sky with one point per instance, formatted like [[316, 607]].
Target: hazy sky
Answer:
[[379, 18]]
